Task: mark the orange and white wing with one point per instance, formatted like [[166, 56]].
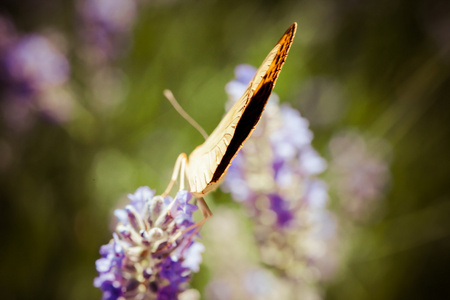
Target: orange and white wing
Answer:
[[209, 162]]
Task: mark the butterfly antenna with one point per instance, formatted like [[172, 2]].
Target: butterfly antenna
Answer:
[[168, 94]]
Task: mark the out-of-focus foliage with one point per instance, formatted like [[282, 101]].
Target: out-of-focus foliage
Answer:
[[372, 78]]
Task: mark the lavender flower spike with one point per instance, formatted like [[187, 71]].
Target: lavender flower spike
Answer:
[[274, 176], [145, 259]]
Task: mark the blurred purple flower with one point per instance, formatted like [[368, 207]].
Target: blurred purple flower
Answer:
[[33, 73], [106, 25], [274, 177], [33, 65], [359, 172], [149, 257], [104, 29]]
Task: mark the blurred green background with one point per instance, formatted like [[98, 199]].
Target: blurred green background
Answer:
[[382, 67]]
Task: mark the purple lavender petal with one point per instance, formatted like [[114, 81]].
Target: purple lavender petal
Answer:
[[282, 209], [183, 210], [169, 292], [193, 257], [142, 194], [173, 271], [244, 73], [121, 215], [110, 286]]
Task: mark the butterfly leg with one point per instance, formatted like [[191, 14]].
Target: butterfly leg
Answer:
[[204, 208], [180, 163]]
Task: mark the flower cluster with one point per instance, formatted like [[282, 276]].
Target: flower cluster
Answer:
[[274, 177], [150, 255], [33, 72]]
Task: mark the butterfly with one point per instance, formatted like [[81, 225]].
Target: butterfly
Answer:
[[209, 162]]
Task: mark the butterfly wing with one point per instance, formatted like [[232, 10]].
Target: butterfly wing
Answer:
[[209, 162]]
